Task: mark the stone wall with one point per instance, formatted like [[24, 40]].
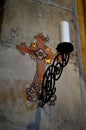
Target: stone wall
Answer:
[[22, 20]]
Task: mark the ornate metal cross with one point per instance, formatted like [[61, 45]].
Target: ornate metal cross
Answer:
[[43, 55]]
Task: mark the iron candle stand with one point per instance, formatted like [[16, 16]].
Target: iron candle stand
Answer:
[[53, 73]]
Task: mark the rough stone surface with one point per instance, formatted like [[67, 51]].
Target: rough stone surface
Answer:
[[22, 20]]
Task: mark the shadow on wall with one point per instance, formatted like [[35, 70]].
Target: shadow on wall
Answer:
[[2, 3], [36, 124]]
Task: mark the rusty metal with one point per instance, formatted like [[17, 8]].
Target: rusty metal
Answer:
[[43, 55]]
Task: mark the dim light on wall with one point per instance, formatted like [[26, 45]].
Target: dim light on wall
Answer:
[[54, 71]]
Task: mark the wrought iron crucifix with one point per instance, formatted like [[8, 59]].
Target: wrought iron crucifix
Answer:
[[43, 55]]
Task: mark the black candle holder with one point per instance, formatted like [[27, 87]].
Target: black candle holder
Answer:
[[53, 73]]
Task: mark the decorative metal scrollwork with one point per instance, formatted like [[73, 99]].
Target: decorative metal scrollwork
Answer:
[[52, 74]]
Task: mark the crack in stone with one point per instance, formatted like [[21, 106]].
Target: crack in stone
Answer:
[[48, 2], [8, 44]]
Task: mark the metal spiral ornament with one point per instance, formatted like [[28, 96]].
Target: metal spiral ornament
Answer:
[[53, 73]]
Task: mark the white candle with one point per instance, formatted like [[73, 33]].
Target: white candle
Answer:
[[64, 32]]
